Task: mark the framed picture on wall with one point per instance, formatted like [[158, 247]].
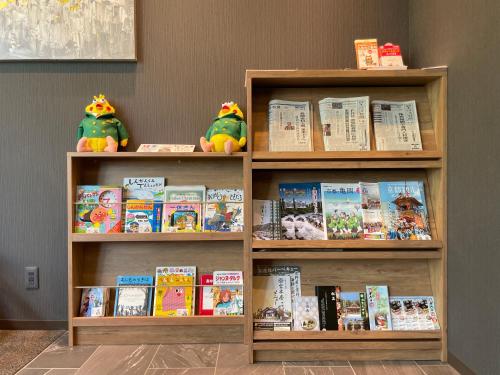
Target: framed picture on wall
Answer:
[[68, 30]]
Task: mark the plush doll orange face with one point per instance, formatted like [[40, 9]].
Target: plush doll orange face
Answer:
[[100, 107]]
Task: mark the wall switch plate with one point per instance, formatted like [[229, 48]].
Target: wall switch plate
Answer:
[[31, 277]]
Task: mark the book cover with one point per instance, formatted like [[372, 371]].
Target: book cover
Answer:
[[342, 211], [379, 312], [228, 293], [94, 302], [404, 210], [366, 53], [223, 210], [181, 217], [166, 277], [373, 223], [354, 313], [133, 301], [329, 307], [206, 295], [301, 211], [144, 188], [185, 194], [286, 270], [306, 314], [413, 313], [262, 217], [272, 305], [98, 209], [142, 216]]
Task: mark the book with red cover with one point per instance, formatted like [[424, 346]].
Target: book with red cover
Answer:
[[205, 293]]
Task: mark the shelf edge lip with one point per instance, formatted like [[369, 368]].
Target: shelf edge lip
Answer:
[[342, 335], [346, 155], [172, 155], [350, 255], [370, 245], [156, 237], [199, 320]]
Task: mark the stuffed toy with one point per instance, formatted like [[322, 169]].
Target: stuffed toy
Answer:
[[100, 130], [228, 131]]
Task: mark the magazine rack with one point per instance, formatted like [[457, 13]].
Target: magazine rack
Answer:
[[96, 259], [407, 267]]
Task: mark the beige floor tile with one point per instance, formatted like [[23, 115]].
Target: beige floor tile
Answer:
[[342, 371], [185, 356], [297, 370], [317, 363], [233, 359], [256, 369], [182, 371], [233, 355], [439, 370], [368, 367], [62, 371], [401, 368], [33, 371], [60, 355], [119, 359]]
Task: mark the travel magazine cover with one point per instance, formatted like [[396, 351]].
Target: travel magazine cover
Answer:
[[379, 311], [354, 312], [272, 304], [306, 314], [413, 313], [373, 223]]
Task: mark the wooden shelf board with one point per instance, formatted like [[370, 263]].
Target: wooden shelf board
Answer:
[[344, 335], [156, 237], [353, 244], [153, 155], [432, 254], [157, 321], [349, 164], [347, 155]]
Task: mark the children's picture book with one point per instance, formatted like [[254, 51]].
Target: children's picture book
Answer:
[[286, 270], [379, 311], [354, 313], [306, 314], [373, 223], [228, 293], [98, 209], [224, 210], [174, 294], [329, 307], [396, 126], [182, 211], [404, 210], [94, 302], [206, 295], [366, 53], [413, 313], [263, 219], [342, 211], [133, 301], [142, 216], [301, 211], [144, 188], [272, 304]]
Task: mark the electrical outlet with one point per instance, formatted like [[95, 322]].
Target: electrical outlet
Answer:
[[31, 277]]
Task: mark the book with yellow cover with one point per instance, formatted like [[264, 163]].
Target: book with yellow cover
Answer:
[[174, 295]]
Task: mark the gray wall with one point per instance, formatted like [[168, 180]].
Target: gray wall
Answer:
[[192, 57], [466, 36]]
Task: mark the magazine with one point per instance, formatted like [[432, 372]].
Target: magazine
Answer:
[[272, 305], [224, 210], [366, 53], [306, 314], [404, 210], [292, 271], [345, 123], [228, 293], [373, 223], [342, 211], [354, 312], [301, 211], [133, 301], [290, 127], [396, 126], [379, 311], [174, 294], [94, 302], [263, 221], [413, 313]]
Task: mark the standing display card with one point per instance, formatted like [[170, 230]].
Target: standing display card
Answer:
[[306, 314], [379, 311]]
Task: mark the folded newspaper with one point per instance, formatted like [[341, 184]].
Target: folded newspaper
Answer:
[[290, 127], [345, 123]]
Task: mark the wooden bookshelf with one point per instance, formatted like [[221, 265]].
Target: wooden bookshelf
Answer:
[[96, 259], [407, 267]]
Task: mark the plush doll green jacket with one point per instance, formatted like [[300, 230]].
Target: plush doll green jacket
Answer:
[[97, 129]]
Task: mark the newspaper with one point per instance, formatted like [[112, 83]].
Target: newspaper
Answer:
[[396, 126], [290, 127], [345, 123]]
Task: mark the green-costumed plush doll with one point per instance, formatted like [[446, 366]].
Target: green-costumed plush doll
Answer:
[[228, 132], [100, 130]]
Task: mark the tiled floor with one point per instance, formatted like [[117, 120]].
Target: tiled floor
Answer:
[[223, 359]]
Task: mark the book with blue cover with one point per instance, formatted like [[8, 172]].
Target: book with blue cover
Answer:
[[404, 210], [342, 211], [133, 301], [301, 211]]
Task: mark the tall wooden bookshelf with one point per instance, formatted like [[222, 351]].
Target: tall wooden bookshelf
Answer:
[[407, 267], [96, 259]]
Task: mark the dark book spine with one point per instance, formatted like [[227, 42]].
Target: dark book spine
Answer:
[[327, 301], [364, 310]]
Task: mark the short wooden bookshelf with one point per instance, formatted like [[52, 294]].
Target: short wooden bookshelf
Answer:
[[407, 267]]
